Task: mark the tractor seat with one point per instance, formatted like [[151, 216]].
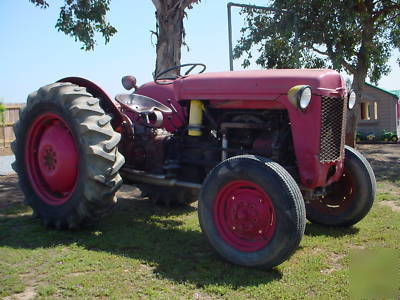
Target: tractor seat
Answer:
[[142, 104]]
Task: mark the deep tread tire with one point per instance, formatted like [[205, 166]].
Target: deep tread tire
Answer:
[[357, 205], [286, 199], [99, 159]]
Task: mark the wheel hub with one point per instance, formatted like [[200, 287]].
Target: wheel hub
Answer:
[[339, 197], [244, 215], [247, 214], [52, 159], [57, 158], [49, 158]]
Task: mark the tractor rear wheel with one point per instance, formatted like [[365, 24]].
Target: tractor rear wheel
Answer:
[[252, 211], [348, 200], [66, 156]]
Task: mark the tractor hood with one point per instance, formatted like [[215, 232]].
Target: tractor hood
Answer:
[[256, 85]]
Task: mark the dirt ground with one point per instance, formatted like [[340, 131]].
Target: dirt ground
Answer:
[[384, 159], [5, 151]]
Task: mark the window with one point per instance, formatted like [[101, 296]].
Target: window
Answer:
[[369, 110]]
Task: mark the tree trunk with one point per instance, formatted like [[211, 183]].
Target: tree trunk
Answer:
[[354, 114], [170, 33], [359, 76]]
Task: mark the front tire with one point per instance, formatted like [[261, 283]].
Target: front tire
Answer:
[[348, 200], [252, 211], [66, 156]]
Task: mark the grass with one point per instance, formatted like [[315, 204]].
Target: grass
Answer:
[[142, 251]]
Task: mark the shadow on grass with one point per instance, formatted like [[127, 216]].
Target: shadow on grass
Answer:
[[151, 234], [318, 230], [386, 170], [9, 192]]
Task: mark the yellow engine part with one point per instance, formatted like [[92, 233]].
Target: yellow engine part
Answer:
[[195, 117]]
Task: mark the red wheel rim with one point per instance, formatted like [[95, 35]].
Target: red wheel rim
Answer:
[[339, 196], [244, 215], [51, 158]]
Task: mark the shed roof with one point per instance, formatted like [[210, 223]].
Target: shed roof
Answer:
[[396, 92], [392, 93]]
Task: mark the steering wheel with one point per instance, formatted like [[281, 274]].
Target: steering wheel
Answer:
[[168, 80]]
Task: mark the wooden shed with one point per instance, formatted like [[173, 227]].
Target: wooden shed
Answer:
[[11, 115], [379, 110]]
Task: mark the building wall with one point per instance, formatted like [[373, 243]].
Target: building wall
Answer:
[[386, 104], [11, 115]]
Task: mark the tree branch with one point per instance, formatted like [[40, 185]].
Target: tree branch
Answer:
[[40, 3], [157, 4], [333, 57], [188, 3], [350, 68], [386, 10], [320, 52]]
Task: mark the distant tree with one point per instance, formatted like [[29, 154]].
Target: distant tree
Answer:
[[2, 110], [356, 36], [82, 19]]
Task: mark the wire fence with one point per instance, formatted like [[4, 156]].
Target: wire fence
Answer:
[[11, 115]]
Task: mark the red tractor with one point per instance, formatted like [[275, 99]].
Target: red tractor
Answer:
[[260, 150]]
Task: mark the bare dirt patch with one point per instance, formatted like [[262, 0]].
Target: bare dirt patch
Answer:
[[334, 263], [385, 160], [5, 151], [392, 204]]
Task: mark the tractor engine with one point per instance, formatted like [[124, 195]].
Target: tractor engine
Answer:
[[266, 133]]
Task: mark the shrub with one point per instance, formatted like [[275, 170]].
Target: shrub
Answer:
[[2, 110]]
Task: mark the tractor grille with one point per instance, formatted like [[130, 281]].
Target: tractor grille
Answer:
[[333, 121]]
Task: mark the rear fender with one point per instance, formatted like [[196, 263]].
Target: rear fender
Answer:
[[110, 106]]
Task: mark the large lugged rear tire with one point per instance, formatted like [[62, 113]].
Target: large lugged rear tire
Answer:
[[66, 156], [252, 211], [348, 200]]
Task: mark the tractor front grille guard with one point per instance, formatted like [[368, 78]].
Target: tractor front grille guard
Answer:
[[333, 123]]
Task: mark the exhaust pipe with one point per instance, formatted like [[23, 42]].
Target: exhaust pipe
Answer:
[[137, 176]]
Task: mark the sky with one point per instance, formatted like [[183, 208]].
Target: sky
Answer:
[[33, 53]]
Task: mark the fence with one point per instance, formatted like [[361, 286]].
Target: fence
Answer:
[[11, 115]]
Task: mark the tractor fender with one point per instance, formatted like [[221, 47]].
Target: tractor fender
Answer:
[[110, 106]]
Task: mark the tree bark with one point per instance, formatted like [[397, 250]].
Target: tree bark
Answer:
[[353, 115], [360, 74], [170, 33]]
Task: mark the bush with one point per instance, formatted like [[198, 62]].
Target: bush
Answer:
[[2, 110]]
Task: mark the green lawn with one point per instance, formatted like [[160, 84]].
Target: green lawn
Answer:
[[142, 251]]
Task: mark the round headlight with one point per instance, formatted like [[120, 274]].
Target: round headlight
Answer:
[[351, 100], [304, 98]]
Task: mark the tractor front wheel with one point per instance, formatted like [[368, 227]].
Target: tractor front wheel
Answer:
[[252, 211], [66, 156], [349, 199]]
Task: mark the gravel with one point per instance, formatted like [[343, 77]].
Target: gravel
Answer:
[[5, 165]]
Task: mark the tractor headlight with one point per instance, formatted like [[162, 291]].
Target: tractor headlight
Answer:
[[351, 101], [300, 96]]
